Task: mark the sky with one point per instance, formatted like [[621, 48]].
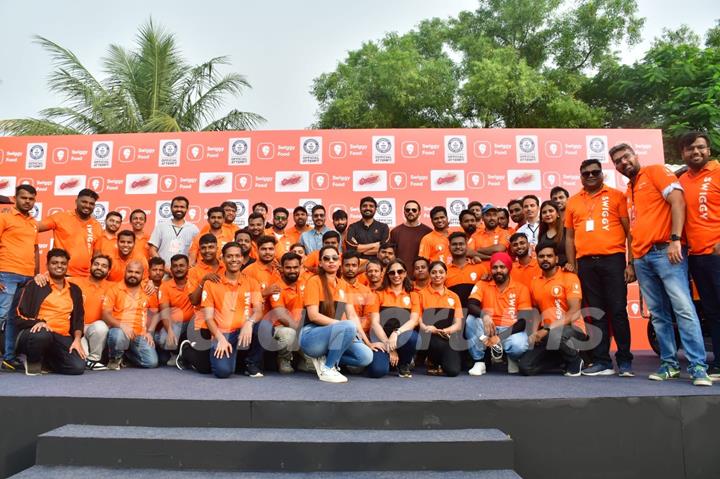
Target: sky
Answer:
[[279, 45]]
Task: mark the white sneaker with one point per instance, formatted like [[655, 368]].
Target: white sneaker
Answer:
[[478, 369], [319, 364], [331, 375], [513, 367]]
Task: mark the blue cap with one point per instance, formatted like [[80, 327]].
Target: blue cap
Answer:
[[488, 207]]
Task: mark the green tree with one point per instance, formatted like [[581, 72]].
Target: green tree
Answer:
[[675, 87], [148, 88]]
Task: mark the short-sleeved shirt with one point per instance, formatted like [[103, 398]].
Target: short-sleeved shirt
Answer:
[[439, 308], [177, 299], [194, 279], [293, 234], [462, 280], [314, 296], [130, 308], [312, 239], [171, 240], [407, 239], [361, 297], [93, 294], [56, 309], [289, 298], [503, 305], [107, 245], [650, 213], [394, 308], [525, 273], [435, 247], [117, 271], [284, 242], [232, 302], [551, 295], [595, 220], [223, 237], [702, 200], [487, 238], [361, 233], [141, 244], [77, 236], [18, 238]]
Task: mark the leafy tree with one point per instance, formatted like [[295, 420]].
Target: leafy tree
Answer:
[[149, 88]]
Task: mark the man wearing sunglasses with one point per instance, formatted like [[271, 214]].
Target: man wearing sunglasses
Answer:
[[407, 236], [597, 230]]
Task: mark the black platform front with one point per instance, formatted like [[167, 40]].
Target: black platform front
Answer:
[[560, 427]]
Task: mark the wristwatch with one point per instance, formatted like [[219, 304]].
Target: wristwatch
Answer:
[[674, 237]]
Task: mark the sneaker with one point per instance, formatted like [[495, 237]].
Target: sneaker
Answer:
[[331, 375], [478, 369], [114, 364], [598, 369], [496, 350], [13, 365], [404, 371], [575, 368], [179, 360], [95, 366], [664, 373], [253, 371], [513, 367], [172, 361], [285, 366], [318, 365], [305, 364], [625, 370], [714, 373], [700, 376], [33, 369]]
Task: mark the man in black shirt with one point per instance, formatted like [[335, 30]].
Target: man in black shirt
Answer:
[[366, 235]]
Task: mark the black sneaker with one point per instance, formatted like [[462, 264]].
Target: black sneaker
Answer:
[[714, 373], [404, 371], [33, 369], [179, 360], [253, 371], [95, 366], [13, 365], [574, 369]]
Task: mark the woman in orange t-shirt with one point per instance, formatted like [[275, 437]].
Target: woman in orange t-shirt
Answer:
[[442, 319], [332, 334]]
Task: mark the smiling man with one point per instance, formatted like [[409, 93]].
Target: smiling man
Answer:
[[366, 235]]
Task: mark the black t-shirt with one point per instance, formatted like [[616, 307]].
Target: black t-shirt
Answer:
[[359, 233]]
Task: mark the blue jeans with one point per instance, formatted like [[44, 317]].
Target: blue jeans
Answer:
[[407, 345], [515, 345], [8, 306], [224, 367], [705, 271], [138, 351], [666, 290], [338, 342], [180, 330]]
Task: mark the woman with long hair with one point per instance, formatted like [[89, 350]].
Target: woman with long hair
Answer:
[[552, 229], [332, 334], [394, 316], [442, 319]]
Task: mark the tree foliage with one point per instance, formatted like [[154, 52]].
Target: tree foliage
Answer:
[[148, 88]]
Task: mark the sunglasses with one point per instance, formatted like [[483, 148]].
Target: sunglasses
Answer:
[[331, 258], [589, 173], [396, 272], [411, 210], [281, 218]]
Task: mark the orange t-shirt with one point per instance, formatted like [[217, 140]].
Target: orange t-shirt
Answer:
[[394, 309], [599, 213], [290, 298], [93, 296], [650, 215], [177, 299], [232, 302], [525, 273], [128, 308], [76, 236], [439, 308], [18, 238], [107, 246], [435, 247], [194, 278], [228, 229], [314, 295], [486, 238], [117, 272], [56, 309], [504, 305], [361, 297], [283, 242], [461, 280], [225, 236], [550, 295], [702, 200], [141, 244], [292, 234]]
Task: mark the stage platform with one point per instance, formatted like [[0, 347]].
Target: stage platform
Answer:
[[557, 427]]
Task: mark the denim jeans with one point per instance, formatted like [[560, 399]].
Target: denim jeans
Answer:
[[338, 342], [666, 290], [514, 345], [224, 367], [138, 351], [407, 345], [705, 271], [8, 305]]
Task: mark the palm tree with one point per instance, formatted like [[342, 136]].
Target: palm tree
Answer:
[[150, 88]]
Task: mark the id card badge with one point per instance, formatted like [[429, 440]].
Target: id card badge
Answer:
[[590, 225], [175, 246]]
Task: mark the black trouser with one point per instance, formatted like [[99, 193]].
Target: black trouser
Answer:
[[442, 354], [705, 272], [603, 287], [52, 350], [198, 358], [552, 352]]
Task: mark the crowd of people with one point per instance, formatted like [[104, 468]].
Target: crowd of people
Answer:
[[532, 287]]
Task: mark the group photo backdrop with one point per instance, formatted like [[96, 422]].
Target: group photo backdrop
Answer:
[[335, 168]]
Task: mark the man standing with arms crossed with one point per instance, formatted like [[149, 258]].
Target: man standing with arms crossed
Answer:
[[657, 214], [367, 234], [175, 237], [596, 232]]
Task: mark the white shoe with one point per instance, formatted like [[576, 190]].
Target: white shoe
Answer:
[[331, 375], [319, 364], [513, 367], [478, 369]]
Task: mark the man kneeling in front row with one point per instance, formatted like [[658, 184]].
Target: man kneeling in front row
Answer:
[[50, 321]]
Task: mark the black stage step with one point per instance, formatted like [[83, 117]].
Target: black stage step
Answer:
[[294, 450]]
